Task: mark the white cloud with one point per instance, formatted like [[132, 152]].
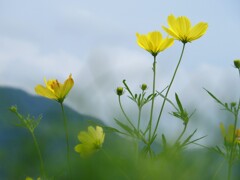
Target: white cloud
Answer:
[[23, 65]]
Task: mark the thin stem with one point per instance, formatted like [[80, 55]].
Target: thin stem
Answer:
[[153, 98], [184, 129], [218, 170], [139, 118], [233, 146], [175, 72], [39, 154], [140, 111], [67, 141], [119, 100]]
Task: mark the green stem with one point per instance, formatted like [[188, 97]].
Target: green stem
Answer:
[[153, 92], [119, 100], [139, 118], [67, 139], [39, 154], [184, 129], [233, 146], [164, 100]]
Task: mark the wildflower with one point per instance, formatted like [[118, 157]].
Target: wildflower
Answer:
[[237, 63], [55, 90], [238, 136], [91, 141], [153, 42], [29, 178], [119, 91], [180, 28], [143, 87], [228, 136]]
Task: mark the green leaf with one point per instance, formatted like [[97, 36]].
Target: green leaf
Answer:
[[188, 138], [128, 89], [193, 141], [164, 141], [125, 127], [168, 100], [179, 103], [216, 99], [111, 129]]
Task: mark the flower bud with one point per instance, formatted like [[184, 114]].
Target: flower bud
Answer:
[[119, 91], [233, 104], [237, 63], [13, 108], [143, 87]]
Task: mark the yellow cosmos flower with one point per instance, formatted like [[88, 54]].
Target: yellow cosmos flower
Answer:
[[238, 136], [91, 140], [180, 28], [55, 90], [228, 135], [153, 42]]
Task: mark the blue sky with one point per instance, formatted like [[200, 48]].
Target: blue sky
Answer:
[[96, 42]]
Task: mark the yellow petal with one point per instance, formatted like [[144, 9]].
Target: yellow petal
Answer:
[[67, 86], [198, 30], [180, 29], [45, 92], [223, 132], [171, 32], [84, 137]]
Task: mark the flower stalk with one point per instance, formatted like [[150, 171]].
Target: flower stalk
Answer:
[[153, 98], [67, 137], [169, 87]]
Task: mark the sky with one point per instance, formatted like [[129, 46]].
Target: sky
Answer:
[[95, 41]]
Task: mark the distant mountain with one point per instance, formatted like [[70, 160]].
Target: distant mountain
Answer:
[[17, 152]]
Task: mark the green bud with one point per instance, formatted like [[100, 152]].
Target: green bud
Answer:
[[119, 91], [143, 87], [13, 108], [233, 104], [237, 63]]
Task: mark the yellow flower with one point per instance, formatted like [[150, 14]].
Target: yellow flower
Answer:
[[238, 136], [180, 28], [29, 178], [228, 136], [55, 90], [153, 42], [91, 140]]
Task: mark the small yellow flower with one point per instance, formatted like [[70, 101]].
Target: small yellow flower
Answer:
[[55, 90], [91, 141], [29, 178], [153, 42], [228, 135], [238, 136], [180, 28]]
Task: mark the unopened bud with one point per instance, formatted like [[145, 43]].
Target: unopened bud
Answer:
[[237, 63], [233, 104], [143, 87], [13, 108], [119, 91]]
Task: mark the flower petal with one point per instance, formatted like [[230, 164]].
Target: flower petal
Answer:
[[45, 92]]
